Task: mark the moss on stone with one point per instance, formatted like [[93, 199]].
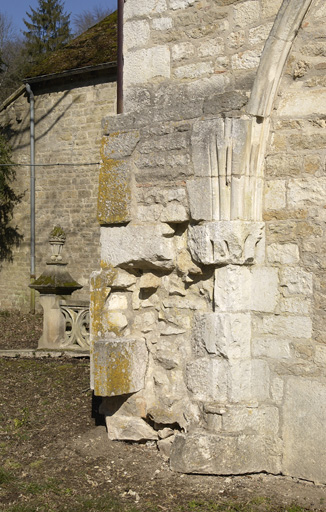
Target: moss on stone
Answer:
[[58, 233], [55, 279]]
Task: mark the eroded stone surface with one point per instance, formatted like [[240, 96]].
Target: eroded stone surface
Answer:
[[119, 366], [285, 254], [303, 431], [114, 198], [208, 453], [225, 334], [225, 242], [245, 288], [207, 379], [158, 65], [138, 246]]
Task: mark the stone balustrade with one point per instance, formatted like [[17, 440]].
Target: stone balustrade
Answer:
[[76, 333]]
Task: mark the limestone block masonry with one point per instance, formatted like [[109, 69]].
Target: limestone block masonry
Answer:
[[213, 236]]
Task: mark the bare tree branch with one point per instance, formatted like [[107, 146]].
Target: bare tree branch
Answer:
[[90, 17]]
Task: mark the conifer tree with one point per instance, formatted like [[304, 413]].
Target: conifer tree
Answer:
[[9, 234], [47, 30], [2, 64]]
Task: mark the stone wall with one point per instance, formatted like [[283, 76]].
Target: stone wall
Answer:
[[211, 201], [67, 131], [295, 236]]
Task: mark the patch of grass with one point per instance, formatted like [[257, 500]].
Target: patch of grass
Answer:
[[295, 508], [21, 508], [12, 464], [4, 448], [199, 506], [103, 504], [36, 463], [5, 476], [23, 420], [260, 500], [51, 476], [20, 330], [33, 488], [51, 485]]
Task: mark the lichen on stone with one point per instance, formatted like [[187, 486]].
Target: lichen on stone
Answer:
[[100, 289], [114, 197]]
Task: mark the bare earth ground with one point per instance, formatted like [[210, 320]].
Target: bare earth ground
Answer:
[[53, 456]]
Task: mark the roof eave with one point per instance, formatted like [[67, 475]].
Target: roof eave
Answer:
[[71, 72], [18, 92]]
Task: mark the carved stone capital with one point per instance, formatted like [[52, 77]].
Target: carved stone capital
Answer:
[[225, 242]]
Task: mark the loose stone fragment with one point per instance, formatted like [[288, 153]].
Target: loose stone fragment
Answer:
[[129, 428]]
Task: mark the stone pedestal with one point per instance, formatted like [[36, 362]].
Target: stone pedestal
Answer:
[[54, 284], [53, 322]]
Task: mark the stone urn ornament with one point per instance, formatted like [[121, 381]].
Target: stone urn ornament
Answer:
[[57, 240]]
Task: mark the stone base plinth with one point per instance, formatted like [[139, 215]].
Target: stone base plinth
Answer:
[[54, 323], [224, 454]]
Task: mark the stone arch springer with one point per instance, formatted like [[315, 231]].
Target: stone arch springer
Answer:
[[228, 156]]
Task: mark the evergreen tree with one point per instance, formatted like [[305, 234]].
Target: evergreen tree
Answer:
[[5, 27], [47, 30], [13, 67], [9, 234], [2, 65]]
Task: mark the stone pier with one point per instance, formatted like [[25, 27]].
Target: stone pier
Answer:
[[208, 307]]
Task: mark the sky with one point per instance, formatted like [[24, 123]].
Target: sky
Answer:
[[16, 9]]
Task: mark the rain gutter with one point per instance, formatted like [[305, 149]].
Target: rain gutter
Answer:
[[120, 58], [32, 193]]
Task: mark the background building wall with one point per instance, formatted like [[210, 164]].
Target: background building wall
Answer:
[[67, 131]]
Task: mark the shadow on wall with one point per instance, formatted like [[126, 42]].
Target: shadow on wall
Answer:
[[12, 134]]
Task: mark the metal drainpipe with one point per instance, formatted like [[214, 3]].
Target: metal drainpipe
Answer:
[[120, 58], [32, 193]]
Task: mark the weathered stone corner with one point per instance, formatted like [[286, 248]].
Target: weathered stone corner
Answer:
[[114, 197], [119, 366], [139, 245]]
